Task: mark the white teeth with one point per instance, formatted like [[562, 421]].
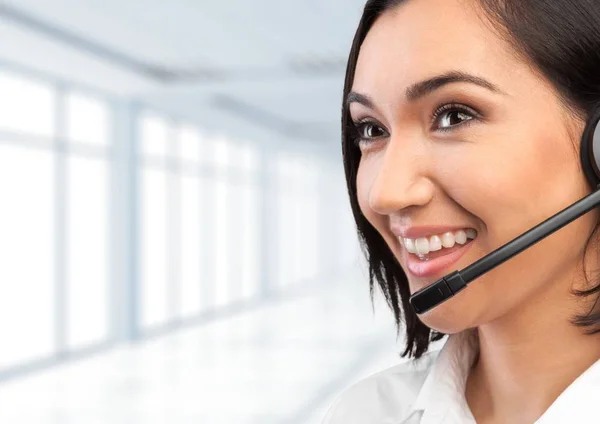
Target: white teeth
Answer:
[[422, 245], [435, 244], [460, 237], [448, 240], [410, 245]]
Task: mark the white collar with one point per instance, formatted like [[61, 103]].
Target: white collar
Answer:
[[446, 381], [442, 395]]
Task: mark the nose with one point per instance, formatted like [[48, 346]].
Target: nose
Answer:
[[402, 180]]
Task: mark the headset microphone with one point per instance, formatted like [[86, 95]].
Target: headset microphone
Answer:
[[446, 287]]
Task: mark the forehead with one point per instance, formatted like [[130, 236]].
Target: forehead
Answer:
[[423, 38]]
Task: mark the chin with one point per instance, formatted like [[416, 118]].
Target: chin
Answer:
[[452, 316]]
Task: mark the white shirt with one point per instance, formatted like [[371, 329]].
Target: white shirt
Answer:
[[431, 390]]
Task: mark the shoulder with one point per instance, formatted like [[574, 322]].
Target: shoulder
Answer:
[[386, 395]]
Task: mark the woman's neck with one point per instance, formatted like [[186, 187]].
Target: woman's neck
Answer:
[[527, 359]]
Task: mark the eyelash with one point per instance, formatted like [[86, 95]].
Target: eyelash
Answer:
[[455, 107], [447, 107]]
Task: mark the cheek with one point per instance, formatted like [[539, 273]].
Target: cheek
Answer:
[[519, 189], [513, 183]]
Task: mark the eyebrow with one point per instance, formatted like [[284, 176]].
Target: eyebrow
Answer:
[[422, 88]]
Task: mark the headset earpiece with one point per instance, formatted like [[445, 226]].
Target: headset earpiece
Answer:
[[590, 149]]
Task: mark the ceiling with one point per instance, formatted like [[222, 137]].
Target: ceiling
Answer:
[[268, 68]]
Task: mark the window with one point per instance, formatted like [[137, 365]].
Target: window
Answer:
[[27, 246], [87, 203], [199, 223], [250, 241], [199, 235], [27, 106], [54, 224], [297, 218], [154, 290], [221, 242], [190, 144], [154, 136], [54, 221], [87, 120], [236, 235], [193, 223], [87, 251]]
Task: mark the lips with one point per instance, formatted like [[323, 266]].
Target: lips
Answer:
[[438, 263]]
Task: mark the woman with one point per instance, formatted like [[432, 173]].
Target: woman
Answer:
[[462, 122]]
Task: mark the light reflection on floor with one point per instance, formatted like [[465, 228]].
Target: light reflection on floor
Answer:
[[284, 362]]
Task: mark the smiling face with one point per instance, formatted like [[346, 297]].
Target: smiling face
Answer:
[[482, 145]]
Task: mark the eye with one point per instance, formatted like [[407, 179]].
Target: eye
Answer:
[[367, 131], [452, 115]]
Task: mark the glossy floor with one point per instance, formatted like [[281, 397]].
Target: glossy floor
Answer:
[[283, 362]]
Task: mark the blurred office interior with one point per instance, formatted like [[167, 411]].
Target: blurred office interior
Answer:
[[176, 244]]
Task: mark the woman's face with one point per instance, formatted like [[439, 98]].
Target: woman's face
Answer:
[[493, 155]]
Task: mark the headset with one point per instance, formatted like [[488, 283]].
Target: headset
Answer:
[[446, 287]]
